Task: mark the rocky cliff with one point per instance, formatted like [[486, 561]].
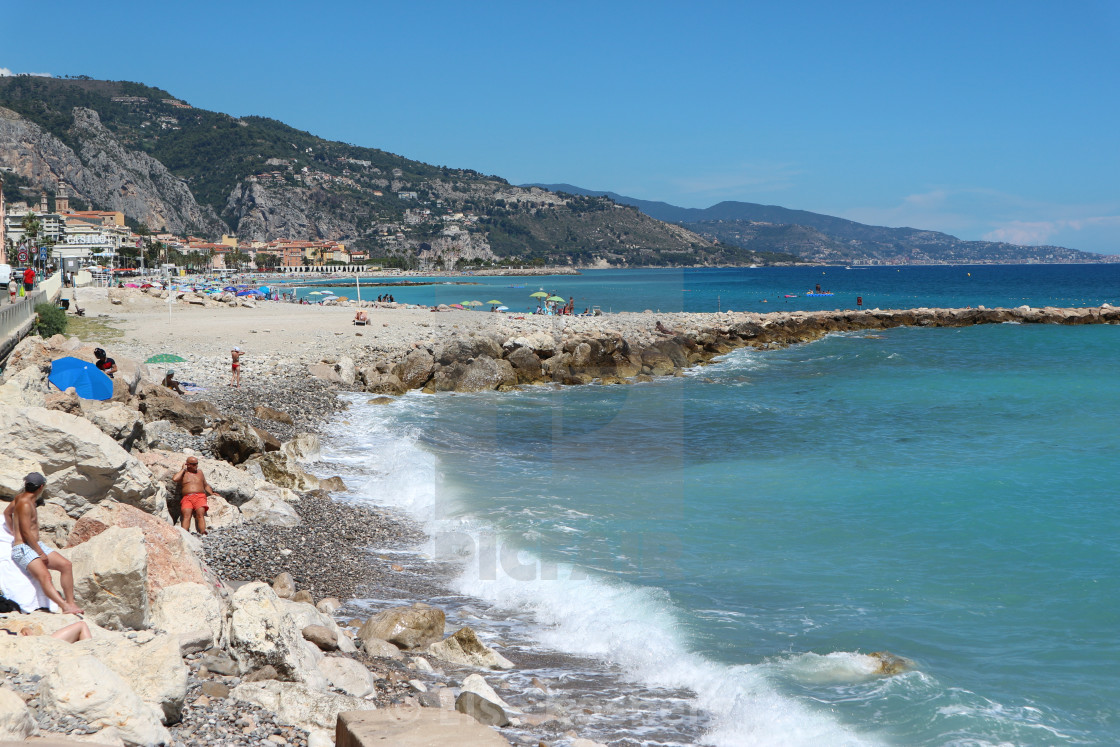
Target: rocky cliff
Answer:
[[103, 173]]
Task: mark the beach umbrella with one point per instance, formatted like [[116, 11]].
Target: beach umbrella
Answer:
[[493, 302], [456, 305], [88, 381], [229, 288], [165, 358], [474, 303], [250, 293], [503, 308], [315, 293], [538, 294], [554, 298]]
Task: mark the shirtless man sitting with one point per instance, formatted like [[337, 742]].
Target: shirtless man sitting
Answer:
[[194, 489], [35, 557]]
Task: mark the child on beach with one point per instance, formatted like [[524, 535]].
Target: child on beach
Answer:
[[235, 378]]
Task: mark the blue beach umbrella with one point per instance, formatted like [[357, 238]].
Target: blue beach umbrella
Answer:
[[86, 378]]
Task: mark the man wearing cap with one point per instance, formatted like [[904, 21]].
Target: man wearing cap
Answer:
[[235, 379], [35, 557]]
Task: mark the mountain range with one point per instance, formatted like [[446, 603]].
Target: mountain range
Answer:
[[171, 166], [815, 237]]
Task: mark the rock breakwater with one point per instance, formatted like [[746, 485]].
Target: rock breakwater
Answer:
[[627, 347]]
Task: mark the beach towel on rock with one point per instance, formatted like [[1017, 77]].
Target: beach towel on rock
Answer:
[[17, 585]]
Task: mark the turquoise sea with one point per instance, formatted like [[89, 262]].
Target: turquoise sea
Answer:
[[765, 288], [728, 544]]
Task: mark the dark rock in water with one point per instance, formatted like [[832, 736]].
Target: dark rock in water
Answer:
[[381, 383], [406, 627], [481, 709], [321, 636], [381, 401], [891, 664], [265, 412]]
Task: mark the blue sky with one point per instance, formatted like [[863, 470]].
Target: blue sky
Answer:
[[982, 119]]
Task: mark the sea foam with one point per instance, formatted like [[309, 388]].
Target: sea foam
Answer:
[[571, 609]]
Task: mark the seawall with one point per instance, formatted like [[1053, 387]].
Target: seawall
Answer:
[[627, 347]]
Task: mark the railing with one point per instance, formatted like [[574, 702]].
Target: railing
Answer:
[[16, 319]]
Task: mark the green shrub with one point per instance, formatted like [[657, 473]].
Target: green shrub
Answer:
[[52, 320]]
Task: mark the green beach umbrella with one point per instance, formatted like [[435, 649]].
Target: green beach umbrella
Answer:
[[166, 358], [538, 294], [493, 302], [554, 298]]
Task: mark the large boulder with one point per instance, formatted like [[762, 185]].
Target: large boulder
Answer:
[[526, 365], [541, 343], [235, 441], [283, 471], [461, 348], [268, 508], [27, 388], [405, 627], [111, 578], [299, 705], [382, 383], [169, 557], [464, 648], [415, 370], [474, 683], [346, 370], [303, 448], [12, 471], [92, 692], [120, 423], [261, 633], [415, 727], [481, 709], [192, 611], [306, 616], [485, 373], [83, 465], [347, 675], [153, 667], [16, 721], [157, 402], [325, 372]]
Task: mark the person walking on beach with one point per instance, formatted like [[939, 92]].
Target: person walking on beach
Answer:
[[33, 556], [235, 376], [194, 489]]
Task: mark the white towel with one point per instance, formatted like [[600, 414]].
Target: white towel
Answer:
[[14, 583]]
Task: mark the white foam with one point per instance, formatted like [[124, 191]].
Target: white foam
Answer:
[[577, 611]]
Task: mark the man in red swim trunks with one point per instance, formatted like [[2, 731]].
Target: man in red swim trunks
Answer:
[[235, 378], [194, 489]]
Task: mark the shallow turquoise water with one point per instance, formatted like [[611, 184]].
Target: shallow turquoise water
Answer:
[[948, 495], [764, 288]]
